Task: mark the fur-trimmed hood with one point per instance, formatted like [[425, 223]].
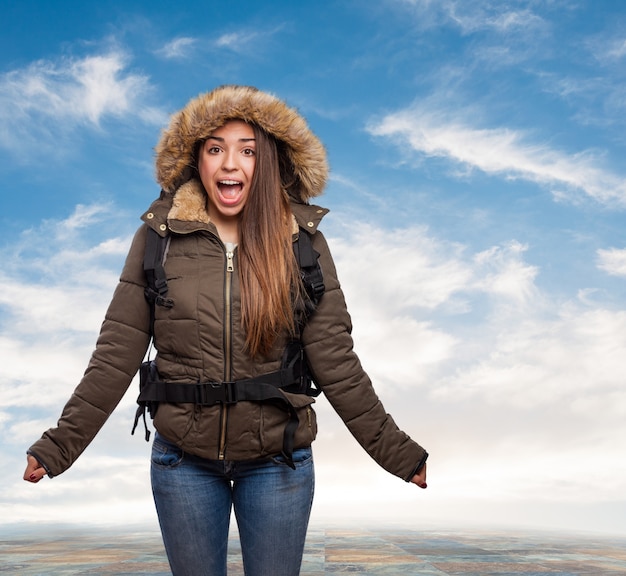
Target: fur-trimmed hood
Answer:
[[175, 163]]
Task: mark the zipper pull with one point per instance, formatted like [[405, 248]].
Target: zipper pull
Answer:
[[230, 267]]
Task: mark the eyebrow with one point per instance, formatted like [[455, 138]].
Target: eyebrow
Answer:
[[219, 139]]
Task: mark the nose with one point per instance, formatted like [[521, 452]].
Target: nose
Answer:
[[229, 161]]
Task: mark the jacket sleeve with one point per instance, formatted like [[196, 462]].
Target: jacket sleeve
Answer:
[[120, 349], [338, 372]]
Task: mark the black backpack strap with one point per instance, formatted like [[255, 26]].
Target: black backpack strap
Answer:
[[156, 295], [156, 289], [310, 271], [147, 373], [257, 389]]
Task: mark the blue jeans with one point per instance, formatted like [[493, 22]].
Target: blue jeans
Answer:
[[194, 496]]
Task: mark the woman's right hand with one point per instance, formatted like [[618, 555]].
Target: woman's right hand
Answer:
[[420, 479], [34, 470]]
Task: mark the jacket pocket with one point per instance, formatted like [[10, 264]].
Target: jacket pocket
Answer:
[[174, 420], [307, 427], [307, 420], [274, 418], [165, 453]]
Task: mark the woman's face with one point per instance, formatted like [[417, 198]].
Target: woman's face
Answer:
[[226, 166]]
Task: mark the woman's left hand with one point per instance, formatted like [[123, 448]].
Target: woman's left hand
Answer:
[[420, 478], [34, 470]]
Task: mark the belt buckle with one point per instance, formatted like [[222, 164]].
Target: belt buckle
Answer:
[[230, 392]]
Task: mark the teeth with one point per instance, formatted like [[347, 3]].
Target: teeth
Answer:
[[229, 182]]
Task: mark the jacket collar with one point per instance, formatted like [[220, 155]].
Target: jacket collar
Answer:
[[186, 211]]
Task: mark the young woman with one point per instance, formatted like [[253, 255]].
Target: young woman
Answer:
[[237, 169]]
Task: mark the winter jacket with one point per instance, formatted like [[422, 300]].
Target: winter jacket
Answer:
[[200, 338]]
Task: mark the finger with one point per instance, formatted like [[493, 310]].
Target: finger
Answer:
[[37, 475], [34, 475], [419, 480], [423, 478], [34, 470]]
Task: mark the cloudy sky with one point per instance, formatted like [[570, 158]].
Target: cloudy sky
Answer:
[[478, 203]]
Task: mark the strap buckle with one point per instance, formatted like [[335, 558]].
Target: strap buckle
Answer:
[[210, 393], [230, 392]]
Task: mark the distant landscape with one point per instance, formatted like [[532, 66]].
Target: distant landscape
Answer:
[[31, 550]]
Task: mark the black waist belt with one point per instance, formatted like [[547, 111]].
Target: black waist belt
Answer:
[[208, 393], [265, 388]]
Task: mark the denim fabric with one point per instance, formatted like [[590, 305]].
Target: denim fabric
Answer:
[[194, 496]]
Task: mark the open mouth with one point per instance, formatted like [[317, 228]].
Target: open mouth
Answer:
[[230, 189]]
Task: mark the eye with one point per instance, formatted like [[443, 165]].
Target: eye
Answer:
[[249, 151], [213, 150]]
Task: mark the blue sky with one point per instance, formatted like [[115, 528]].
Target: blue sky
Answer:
[[478, 201]]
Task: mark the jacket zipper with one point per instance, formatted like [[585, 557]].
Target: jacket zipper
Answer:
[[230, 268]]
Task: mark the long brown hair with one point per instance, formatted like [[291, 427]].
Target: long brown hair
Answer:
[[267, 268]]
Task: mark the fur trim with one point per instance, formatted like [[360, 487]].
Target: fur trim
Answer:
[[207, 112], [189, 203]]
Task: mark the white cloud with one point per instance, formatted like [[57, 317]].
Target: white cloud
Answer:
[[607, 48], [513, 391], [238, 41], [572, 361], [471, 17], [235, 40], [411, 269], [505, 274], [70, 251], [44, 308], [510, 403], [50, 98], [179, 48], [248, 41], [53, 300], [502, 152], [86, 89], [493, 17], [399, 282], [618, 49], [612, 261], [117, 493]]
